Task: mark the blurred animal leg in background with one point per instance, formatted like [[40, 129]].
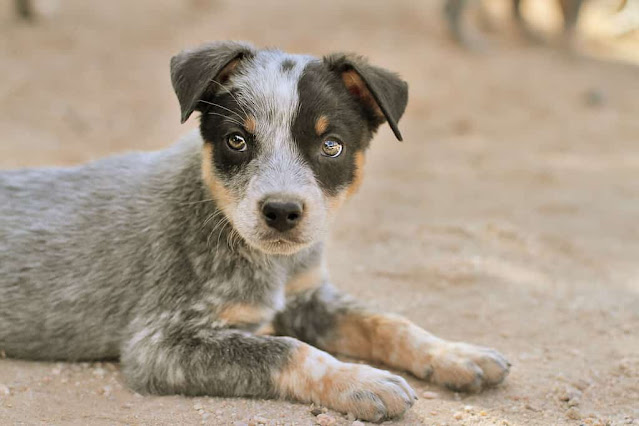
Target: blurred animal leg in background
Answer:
[[570, 12], [452, 13], [529, 33], [455, 14], [24, 9]]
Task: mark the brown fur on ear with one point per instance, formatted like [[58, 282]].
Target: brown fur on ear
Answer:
[[356, 86], [382, 93], [224, 75]]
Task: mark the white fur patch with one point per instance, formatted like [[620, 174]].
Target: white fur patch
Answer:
[[269, 94]]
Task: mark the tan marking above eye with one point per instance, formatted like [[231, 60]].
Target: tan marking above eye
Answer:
[[250, 125], [321, 125]]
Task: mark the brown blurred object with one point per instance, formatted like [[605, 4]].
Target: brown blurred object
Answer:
[[24, 9], [454, 11]]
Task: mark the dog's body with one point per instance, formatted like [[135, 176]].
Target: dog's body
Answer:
[[183, 263]]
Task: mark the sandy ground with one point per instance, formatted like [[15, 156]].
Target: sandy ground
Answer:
[[507, 218]]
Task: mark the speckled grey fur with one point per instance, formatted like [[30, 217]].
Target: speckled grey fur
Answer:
[[129, 257], [114, 258]]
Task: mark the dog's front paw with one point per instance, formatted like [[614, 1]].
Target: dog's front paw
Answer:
[[368, 393], [465, 367]]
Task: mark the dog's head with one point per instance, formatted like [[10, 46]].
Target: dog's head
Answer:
[[285, 135]]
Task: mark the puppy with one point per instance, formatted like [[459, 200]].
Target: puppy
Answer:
[[193, 263]]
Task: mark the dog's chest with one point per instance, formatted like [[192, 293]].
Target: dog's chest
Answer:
[[244, 289], [246, 296]]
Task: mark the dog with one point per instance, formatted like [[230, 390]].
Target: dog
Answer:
[[200, 266], [570, 10]]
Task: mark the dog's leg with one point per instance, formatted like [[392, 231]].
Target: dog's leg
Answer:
[[530, 34], [317, 313], [570, 10], [452, 13], [225, 362], [24, 9]]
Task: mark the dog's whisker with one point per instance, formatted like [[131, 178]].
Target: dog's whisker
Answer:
[[218, 224], [232, 239], [223, 107], [197, 202], [208, 219], [217, 244], [227, 117], [232, 95]]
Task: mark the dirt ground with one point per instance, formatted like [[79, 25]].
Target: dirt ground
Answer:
[[507, 218]]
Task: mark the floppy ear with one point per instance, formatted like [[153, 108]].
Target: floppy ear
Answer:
[[194, 71], [381, 92]]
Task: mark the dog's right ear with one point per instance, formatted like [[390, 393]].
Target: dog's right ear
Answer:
[[202, 70]]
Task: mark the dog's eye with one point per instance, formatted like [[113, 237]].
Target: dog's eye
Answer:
[[332, 148], [236, 142]]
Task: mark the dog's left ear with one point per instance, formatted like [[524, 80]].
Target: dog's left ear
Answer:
[[382, 93], [203, 70]]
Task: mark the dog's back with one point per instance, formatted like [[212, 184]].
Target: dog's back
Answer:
[[66, 236]]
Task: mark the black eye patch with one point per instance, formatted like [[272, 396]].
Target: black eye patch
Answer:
[[326, 111], [221, 118]]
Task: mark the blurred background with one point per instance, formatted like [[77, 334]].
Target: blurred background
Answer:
[[508, 217]]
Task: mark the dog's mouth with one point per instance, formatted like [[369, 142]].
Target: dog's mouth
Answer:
[[282, 245]]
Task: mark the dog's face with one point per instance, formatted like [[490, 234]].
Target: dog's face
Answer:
[[284, 135]]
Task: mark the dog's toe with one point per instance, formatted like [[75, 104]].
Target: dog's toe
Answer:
[[468, 368], [378, 395]]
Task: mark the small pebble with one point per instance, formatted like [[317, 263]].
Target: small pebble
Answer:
[[468, 408], [106, 391], [483, 413], [573, 414], [350, 416], [316, 411], [430, 395], [4, 390], [325, 420], [260, 420], [197, 406], [458, 415], [594, 97], [571, 395]]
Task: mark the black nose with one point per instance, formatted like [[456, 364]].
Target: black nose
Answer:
[[282, 215]]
